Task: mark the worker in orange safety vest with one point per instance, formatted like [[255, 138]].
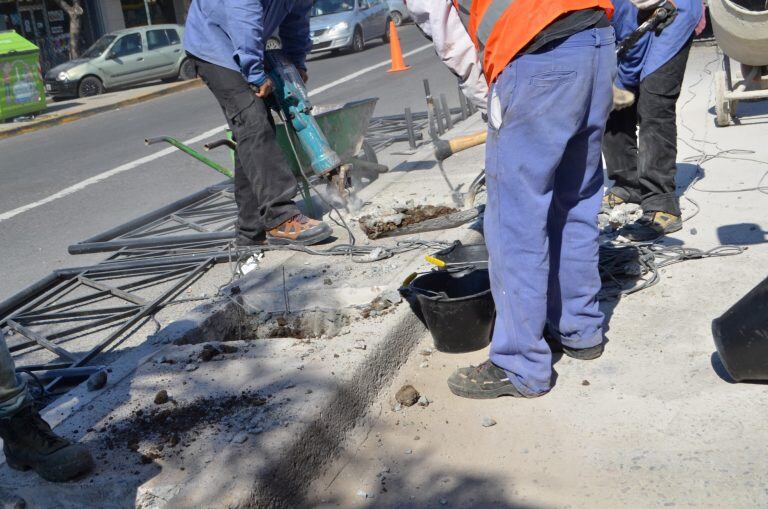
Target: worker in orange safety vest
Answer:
[[543, 71]]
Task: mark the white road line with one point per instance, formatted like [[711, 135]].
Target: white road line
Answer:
[[170, 150]]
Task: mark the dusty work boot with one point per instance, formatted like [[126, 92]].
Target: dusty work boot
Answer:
[[610, 200], [584, 354], [652, 226], [30, 444], [299, 230], [485, 381]]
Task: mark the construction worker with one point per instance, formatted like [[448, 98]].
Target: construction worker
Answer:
[[549, 66], [28, 441], [646, 91], [225, 39]]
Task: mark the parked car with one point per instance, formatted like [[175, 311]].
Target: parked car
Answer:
[[121, 58], [398, 11], [348, 24]]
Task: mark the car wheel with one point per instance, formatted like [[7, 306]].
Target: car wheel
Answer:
[[187, 70], [358, 43], [89, 87], [397, 18], [385, 38]]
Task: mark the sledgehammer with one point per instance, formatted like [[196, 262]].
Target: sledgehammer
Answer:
[[446, 148]]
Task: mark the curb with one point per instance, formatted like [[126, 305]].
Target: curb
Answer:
[[71, 117]]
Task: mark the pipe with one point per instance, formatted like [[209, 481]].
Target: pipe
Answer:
[[115, 245], [191, 152]]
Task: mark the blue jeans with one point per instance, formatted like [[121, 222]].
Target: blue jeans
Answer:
[[545, 179], [13, 389]]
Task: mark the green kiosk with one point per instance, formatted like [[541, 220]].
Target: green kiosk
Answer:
[[21, 86]]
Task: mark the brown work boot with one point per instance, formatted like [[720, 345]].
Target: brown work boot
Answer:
[[610, 200], [652, 226], [30, 444], [299, 230]]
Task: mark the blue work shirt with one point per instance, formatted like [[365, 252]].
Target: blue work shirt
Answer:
[[232, 33], [651, 51]]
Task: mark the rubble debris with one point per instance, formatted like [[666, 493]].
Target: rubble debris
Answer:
[[363, 494], [585, 382], [376, 224], [161, 397], [163, 431], [211, 350], [424, 364], [191, 367], [409, 451], [426, 352], [97, 380], [487, 422], [407, 395], [424, 401]]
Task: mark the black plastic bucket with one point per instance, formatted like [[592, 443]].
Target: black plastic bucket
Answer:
[[456, 307], [741, 336]]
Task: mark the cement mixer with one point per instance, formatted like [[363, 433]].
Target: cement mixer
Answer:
[[741, 31]]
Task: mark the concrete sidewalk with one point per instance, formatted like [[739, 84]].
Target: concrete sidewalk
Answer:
[[281, 391], [70, 110], [653, 423]]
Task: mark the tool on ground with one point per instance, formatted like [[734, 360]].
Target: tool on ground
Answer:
[[661, 17], [446, 148], [452, 220]]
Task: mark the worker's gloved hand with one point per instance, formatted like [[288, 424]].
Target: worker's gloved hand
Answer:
[[644, 5], [622, 98], [671, 12], [263, 90], [666, 10]]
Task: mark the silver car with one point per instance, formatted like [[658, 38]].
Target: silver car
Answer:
[[398, 11], [122, 58], [348, 24]]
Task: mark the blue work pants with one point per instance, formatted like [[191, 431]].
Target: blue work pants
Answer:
[[544, 176]]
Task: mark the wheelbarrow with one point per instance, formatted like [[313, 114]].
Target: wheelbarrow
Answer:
[[344, 125], [741, 31]]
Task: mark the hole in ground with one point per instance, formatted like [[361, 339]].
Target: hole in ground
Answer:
[[313, 323], [375, 225]]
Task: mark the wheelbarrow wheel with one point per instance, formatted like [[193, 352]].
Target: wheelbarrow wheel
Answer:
[[722, 105]]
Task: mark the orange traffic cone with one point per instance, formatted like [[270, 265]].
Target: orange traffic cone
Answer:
[[398, 64]]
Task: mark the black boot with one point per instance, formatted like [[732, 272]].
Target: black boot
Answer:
[[30, 444]]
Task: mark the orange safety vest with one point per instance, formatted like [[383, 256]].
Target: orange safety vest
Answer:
[[501, 28]]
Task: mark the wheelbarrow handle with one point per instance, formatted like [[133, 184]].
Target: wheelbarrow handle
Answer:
[[220, 143]]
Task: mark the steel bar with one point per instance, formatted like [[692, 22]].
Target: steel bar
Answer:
[[41, 340], [117, 292], [463, 104], [446, 111], [145, 311], [39, 367], [157, 214], [114, 245], [439, 118], [409, 128], [82, 372]]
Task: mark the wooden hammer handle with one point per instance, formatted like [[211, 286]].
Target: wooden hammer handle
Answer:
[[446, 148]]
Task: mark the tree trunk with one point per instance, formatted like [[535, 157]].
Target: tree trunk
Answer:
[[75, 12]]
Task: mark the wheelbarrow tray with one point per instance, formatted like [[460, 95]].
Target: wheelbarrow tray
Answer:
[[344, 126]]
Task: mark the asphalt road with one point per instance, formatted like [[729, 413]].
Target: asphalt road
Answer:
[[36, 166]]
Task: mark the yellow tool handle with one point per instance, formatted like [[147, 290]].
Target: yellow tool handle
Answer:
[[446, 148]]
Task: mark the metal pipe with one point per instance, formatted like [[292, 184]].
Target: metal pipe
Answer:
[[50, 374], [191, 152], [409, 128], [155, 214], [27, 293], [114, 245], [462, 104], [446, 112], [439, 118]]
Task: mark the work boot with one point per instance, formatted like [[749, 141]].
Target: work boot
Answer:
[[651, 226], [299, 230], [30, 444], [485, 381], [583, 354], [610, 200], [243, 241]]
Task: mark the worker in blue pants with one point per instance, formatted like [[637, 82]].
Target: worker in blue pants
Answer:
[[545, 180], [549, 67]]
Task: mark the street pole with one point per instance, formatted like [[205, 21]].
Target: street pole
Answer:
[[146, 8]]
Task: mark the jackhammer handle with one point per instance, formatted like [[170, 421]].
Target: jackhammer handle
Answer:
[[220, 143], [446, 148]]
